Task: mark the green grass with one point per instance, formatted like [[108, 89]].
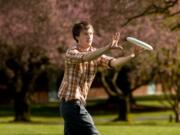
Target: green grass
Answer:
[[46, 121], [139, 130], [43, 125], [47, 129], [30, 129], [156, 103]]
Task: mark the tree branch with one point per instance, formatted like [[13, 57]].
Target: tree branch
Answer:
[[177, 26], [174, 14], [152, 9]]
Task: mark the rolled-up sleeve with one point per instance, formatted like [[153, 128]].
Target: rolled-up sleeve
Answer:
[[104, 61]]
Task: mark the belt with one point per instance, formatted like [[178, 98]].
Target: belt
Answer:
[[73, 101]]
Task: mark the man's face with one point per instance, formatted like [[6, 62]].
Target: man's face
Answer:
[[85, 38]]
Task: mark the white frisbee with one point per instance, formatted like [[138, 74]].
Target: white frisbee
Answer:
[[139, 43]]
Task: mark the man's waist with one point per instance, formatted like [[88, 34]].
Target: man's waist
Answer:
[[73, 101]]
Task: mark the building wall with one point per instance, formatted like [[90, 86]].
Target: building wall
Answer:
[[143, 91], [42, 96]]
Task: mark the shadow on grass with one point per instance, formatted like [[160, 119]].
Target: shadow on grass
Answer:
[[97, 107], [49, 110], [34, 122], [105, 107], [110, 123], [46, 113]]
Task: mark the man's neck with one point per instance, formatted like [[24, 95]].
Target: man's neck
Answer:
[[80, 48]]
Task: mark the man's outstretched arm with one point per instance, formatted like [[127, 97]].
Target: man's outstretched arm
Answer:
[[88, 56], [95, 54], [116, 63]]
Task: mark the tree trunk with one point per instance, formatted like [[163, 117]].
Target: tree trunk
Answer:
[[123, 109], [177, 117], [21, 107], [177, 112], [113, 89]]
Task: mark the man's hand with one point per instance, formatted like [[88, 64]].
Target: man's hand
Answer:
[[137, 50], [115, 40]]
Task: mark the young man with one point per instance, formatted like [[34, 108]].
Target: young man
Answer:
[[81, 63]]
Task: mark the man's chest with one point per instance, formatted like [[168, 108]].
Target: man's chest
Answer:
[[87, 68]]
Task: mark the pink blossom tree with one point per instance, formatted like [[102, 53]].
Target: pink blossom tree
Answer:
[[24, 37], [35, 30]]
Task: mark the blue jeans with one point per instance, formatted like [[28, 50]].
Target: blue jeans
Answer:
[[77, 120]]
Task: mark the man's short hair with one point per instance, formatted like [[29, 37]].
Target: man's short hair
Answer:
[[78, 27]]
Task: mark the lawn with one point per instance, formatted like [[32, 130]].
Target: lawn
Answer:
[[46, 121], [116, 129]]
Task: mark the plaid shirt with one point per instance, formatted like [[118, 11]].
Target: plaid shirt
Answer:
[[79, 74]]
